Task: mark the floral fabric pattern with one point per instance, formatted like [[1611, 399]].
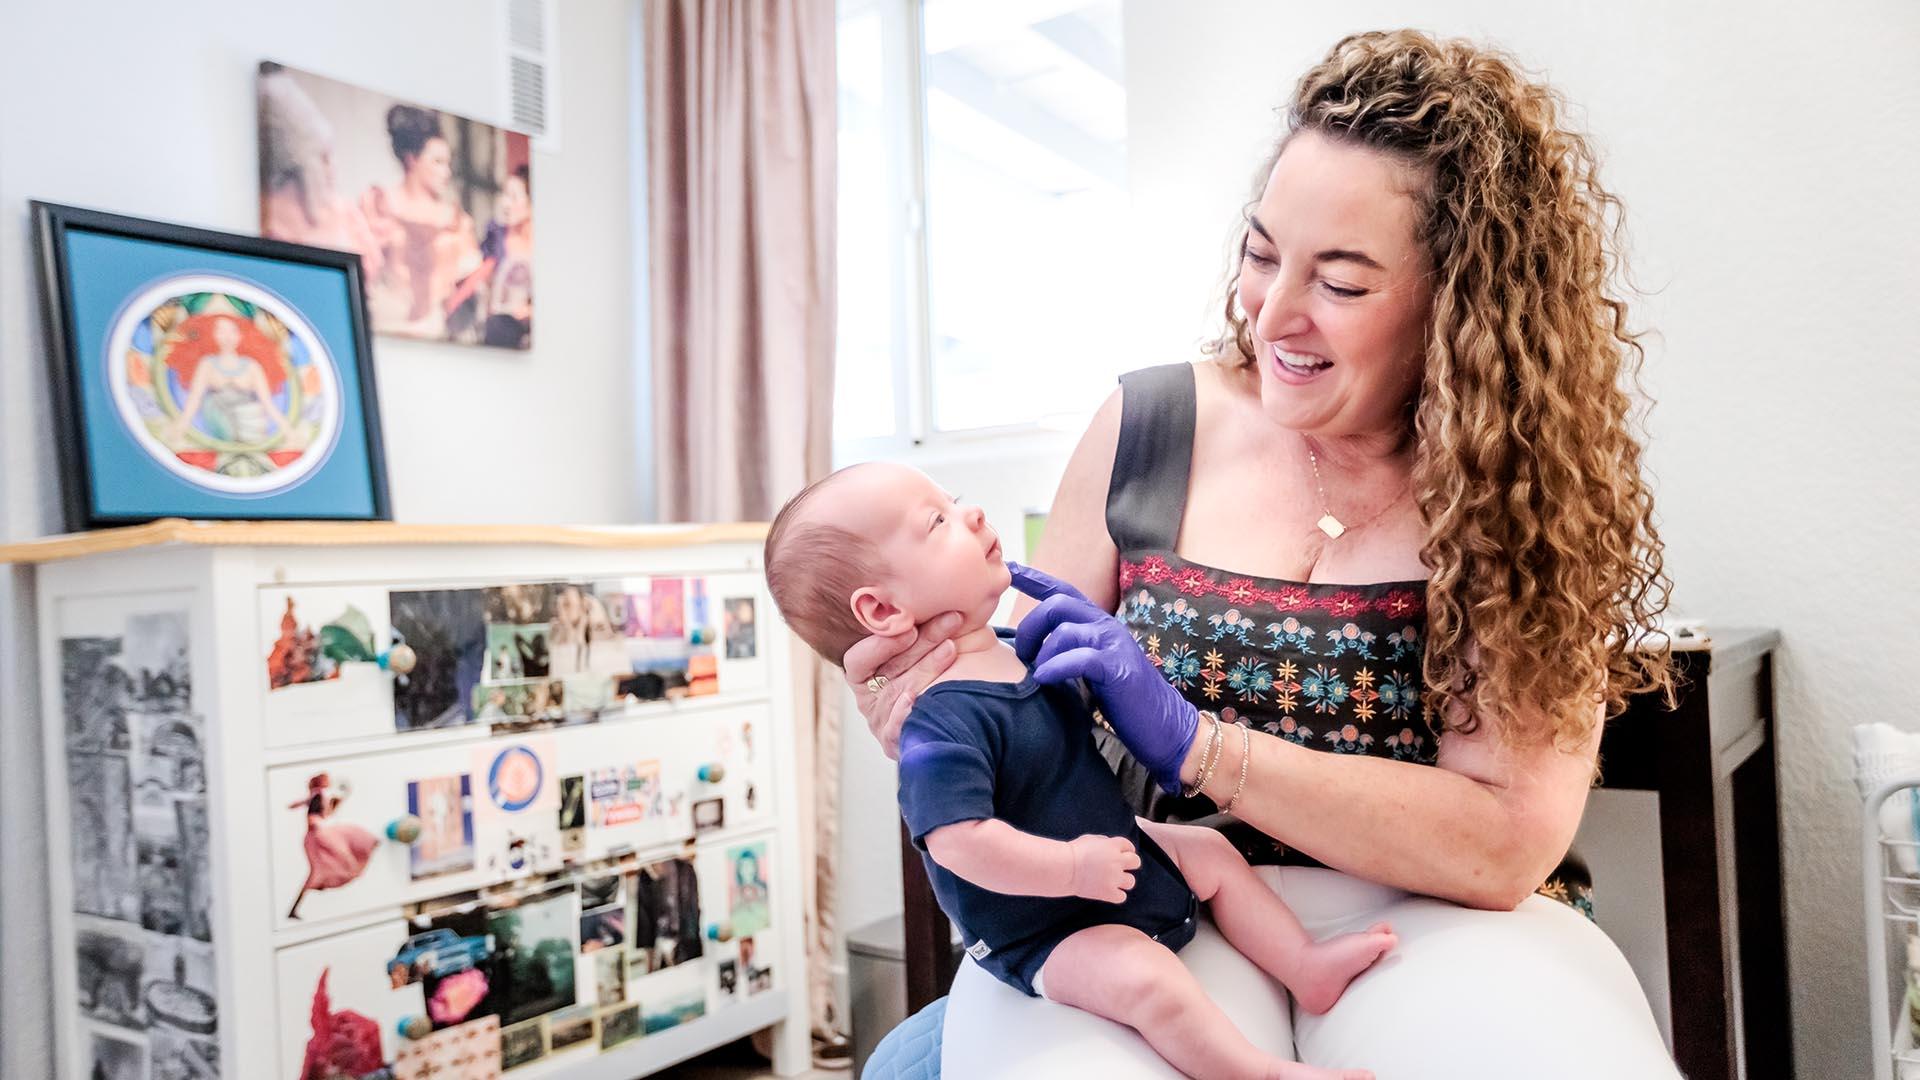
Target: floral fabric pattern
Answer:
[[1335, 667]]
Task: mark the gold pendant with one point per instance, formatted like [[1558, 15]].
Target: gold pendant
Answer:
[[1331, 526]]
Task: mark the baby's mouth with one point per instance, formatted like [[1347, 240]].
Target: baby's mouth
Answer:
[[993, 553]]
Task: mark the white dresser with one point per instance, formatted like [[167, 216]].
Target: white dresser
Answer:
[[565, 842]]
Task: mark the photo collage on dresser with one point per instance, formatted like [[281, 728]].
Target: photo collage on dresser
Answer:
[[582, 962], [137, 777], [547, 654]]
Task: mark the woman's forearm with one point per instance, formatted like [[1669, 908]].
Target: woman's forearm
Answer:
[[1416, 827]]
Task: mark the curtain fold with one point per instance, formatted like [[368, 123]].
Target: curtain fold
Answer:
[[740, 99]]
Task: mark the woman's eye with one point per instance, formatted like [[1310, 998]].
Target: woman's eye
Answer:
[[1347, 294], [1258, 259]]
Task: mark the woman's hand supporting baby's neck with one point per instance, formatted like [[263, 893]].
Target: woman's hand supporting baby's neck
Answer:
[[981, 656]]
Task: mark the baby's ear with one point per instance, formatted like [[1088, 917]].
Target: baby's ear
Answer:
[[875, 611]]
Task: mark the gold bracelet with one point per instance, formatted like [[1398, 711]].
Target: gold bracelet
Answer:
[[1209, 757], [1246, 752]]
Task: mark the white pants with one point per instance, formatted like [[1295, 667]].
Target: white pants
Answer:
[[1539, 991]]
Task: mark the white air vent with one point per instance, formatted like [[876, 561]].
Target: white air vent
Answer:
[[530, 85]]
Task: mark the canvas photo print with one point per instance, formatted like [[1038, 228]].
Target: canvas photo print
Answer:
[[439, 207]]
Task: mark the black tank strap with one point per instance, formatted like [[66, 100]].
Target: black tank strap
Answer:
[[1147, 495]]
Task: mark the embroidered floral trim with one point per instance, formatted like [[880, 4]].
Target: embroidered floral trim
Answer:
[[1285, 597]]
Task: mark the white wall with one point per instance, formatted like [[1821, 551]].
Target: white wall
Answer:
[[1766, 154], [148, 109]]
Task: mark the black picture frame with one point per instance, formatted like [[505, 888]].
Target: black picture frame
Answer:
[[116, 467]]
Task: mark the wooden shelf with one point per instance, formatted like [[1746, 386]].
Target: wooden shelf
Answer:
[[369, 533]]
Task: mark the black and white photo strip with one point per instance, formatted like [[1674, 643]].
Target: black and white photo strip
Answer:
[[143, 932]]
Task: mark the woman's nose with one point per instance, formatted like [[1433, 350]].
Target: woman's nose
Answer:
[[1280, 314]]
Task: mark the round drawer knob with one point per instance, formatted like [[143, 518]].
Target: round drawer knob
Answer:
[[400, 659], [720, 931], [414, 1027], [702, 635], [712, 772], [405, 829]]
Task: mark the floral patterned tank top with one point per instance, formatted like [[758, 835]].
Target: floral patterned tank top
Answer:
[[1336, 668]]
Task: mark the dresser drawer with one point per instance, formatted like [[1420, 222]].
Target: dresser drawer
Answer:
[[621, 946], [490, 810], [318, 648]]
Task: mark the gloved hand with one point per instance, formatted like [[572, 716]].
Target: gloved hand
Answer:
[[1068, 637]]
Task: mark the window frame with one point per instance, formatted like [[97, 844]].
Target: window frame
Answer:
[[904, 128]]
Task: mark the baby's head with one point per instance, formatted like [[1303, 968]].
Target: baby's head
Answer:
[[878, 549]]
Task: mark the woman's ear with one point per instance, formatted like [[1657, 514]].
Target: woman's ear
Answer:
[[877, 613]]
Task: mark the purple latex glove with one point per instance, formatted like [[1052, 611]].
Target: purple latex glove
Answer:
[[1067, 637]]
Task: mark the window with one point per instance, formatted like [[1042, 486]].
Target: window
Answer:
[[982, 217]]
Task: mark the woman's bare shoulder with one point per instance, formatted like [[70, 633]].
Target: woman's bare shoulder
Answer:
[[1222, 393]]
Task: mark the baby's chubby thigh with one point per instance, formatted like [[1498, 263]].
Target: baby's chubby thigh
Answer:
[[993, 1030]]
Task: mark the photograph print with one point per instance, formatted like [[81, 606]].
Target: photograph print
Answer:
[[444, 805], [447, 631], [439, 208], [536, 939], [619, 1024], [666, 917], [110, 964], [200, 374], [570, 1027], [115, 1059]]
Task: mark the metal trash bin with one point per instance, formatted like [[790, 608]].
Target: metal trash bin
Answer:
[[877, 983]]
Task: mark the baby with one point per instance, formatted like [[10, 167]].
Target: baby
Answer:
[[1058, 890]]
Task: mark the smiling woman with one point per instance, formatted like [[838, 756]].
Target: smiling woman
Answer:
[[1394, 530]]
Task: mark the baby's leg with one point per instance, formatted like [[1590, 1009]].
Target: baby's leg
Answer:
[[1121, 974], [1258, 923]]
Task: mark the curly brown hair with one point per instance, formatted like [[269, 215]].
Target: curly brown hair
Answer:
[[1546, 564]]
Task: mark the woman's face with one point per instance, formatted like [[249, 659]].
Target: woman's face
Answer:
[[515, 206], [1336, 289], [432, 167], [226, 334]]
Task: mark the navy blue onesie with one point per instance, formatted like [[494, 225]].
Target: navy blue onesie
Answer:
[[1025, 754]]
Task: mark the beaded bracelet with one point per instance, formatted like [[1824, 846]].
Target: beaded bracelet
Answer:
[[1209, 757]]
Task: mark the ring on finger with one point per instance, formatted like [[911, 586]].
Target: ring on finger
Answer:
[[877, 683]]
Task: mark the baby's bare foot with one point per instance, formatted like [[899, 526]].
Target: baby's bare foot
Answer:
[[1326, 967]]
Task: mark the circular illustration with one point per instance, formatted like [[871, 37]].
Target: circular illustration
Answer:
[[514, 780], [224, 384]]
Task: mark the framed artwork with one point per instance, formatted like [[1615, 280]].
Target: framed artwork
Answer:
[[438, 207], [199, 374]]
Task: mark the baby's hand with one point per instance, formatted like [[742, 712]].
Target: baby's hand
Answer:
[[1101, 867]]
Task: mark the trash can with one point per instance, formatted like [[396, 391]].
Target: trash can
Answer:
[[877, 983]]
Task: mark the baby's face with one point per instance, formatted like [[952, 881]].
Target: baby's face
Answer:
[[939, 556]]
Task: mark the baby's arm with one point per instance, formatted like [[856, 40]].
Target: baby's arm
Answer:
[[999, 858]]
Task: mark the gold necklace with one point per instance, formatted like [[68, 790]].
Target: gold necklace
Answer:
[[1333, 526]]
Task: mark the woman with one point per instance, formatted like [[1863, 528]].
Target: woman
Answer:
[[336, 853], [1411, 451], [426, 240], [506, 269], [230, 396]]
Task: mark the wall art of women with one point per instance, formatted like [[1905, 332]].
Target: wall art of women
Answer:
[[223, 385], [438, 206], [337, 852], [427, 240]]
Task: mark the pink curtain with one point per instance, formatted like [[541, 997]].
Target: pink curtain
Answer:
[[740, 170], [740, 198]]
